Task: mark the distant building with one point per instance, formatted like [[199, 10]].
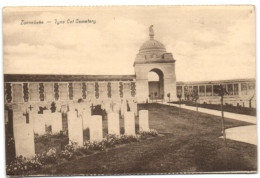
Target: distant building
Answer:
[[239, 91]]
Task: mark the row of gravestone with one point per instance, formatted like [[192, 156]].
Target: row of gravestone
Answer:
[[24, 131]]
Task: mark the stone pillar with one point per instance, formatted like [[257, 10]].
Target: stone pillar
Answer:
[[182, 91], [75, 128], [143, 120], [129, 123], [239, 89], [113, 123], [96, 129]]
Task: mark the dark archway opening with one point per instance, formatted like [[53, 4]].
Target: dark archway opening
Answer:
[[156, 84]]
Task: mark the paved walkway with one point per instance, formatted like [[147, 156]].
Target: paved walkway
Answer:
[[247, 134], [240, 117]]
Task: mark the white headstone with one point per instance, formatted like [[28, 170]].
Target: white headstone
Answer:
[[143, 120], [38, 123], [86, 114], [47, 115], [96, 129], [123, 107], [56, 122], [23, 136], [75, 128], [113, 123], [129, 123], [133, 106], [18, 118]]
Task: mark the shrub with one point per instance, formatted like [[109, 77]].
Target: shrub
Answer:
[[99, 146], [22, 165], [49, 157], [151, 132], [129, 138], [70, 151]]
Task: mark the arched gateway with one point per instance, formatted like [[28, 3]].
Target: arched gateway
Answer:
[[153, 57]]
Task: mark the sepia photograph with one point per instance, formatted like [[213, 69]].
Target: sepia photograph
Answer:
[[129, 90]]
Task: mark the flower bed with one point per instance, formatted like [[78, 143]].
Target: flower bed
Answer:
[[22, 166]]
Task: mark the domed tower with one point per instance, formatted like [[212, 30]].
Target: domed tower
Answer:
[[153, 57]]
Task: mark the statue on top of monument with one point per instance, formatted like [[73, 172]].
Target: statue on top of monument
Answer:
[[151, 32]]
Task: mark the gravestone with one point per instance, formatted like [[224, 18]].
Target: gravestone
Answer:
[[96, 129], [123, 107], [75, 128], [143, 120], [47, 115], [129, 123], [56, 122], [86, 115], [113, 123], [133, 106], [64, 109], [23, 136], [38, 123], [18, 118]]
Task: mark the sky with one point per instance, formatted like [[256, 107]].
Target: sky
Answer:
[[207, 42]]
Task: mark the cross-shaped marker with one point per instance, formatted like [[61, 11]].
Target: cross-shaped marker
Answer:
[[92, 108], [27, 117], [30, 107]]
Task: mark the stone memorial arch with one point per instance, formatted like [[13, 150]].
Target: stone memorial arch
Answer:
[[153, 57]]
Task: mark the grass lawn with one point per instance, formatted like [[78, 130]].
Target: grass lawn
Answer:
[[189, 143]]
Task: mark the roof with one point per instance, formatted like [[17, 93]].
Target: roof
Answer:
[[65, 78], [216, 81]]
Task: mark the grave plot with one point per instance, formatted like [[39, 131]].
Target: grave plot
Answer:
[[86, 132]]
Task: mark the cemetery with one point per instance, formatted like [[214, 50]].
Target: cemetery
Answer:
[[187, 142], [117, 124], [44, 136]]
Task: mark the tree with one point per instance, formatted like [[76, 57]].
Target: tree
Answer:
[[222, 92], [169, 96], [250, 100], [179, 95], [195, 97]]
